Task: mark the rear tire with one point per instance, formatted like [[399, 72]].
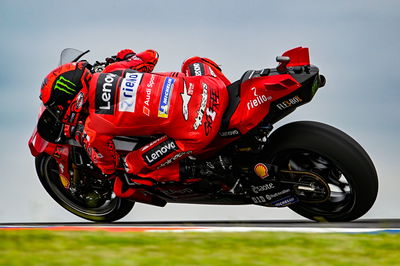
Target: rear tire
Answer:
[[111, 210], [341, 156]]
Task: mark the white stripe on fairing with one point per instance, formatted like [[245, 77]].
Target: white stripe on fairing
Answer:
[[283, 229], [251, 74], [220, 229]]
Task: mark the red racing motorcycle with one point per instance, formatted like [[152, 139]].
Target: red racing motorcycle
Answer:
[[314, 169]]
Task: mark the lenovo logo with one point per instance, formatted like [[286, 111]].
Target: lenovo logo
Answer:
[[159, 152], [105, 93]]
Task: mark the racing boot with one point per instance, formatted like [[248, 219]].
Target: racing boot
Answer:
[[137, 189]]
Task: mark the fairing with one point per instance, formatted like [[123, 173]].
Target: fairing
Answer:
[[299, 56]]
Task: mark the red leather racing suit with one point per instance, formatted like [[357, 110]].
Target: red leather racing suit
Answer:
[[184, 108]]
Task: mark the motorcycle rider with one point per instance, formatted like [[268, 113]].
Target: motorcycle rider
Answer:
[[126, 99]]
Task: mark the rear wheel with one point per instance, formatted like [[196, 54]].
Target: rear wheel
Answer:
[[348, 183], [95, 203]]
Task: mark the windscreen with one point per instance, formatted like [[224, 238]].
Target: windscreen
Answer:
[[69, 55]]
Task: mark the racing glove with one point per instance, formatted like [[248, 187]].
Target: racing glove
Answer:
[[125, 54], [128, 59]]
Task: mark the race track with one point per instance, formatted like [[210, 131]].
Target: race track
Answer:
[[359, 226]]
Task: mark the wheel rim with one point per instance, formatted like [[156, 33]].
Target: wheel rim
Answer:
[[72, 203], [342, 197]]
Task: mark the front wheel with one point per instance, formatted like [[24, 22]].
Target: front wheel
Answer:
[[94, 204], [334, 156]]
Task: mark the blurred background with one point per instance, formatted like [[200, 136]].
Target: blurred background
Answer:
[[354, 43]]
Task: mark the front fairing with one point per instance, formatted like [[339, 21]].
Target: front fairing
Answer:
[[37, 144]]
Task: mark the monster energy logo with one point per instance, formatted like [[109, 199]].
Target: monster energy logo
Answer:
[[65, 85], [315, 86]]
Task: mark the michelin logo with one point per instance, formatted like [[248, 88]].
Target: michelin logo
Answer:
[[163, 108], [128, 90]]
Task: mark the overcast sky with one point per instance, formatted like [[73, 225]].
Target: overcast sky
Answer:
[[355, 44]]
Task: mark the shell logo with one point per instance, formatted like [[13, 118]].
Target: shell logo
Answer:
[[261, 170], [64, 181]]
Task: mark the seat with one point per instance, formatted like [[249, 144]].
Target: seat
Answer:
[[234, 100]]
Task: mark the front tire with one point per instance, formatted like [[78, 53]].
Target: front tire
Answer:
[[337, 158], [109, 210]]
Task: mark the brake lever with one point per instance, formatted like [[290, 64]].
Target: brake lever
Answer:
[[99, 67]]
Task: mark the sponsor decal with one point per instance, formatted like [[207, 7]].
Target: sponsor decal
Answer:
[[258, 199], [261, 170], [213, 104], [258, 100], [178, 192], [200, 113], [146, 110], [128, 90], [176, 157], [163, 108], [152, 143], [265, 187], [151, 82], [158, 152], [229, 133], [196, 69], [288, 103], [147, 97], [79, 101], [277, 194], [146, 107], [186, 96], [105, 93], [285, 201], [65, 85], [269, 197], [212, 72], [65, 181]]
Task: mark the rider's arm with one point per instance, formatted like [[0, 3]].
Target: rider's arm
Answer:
[[143, 62], [100, 148]]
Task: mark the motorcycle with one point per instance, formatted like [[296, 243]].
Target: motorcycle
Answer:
[[316, 170]]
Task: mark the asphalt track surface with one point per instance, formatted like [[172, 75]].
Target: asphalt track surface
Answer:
[[359, 226]]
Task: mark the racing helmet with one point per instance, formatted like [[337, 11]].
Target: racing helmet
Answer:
[[63, 93], [61, 86]]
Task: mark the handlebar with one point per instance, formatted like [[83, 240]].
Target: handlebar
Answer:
[[100, 66]]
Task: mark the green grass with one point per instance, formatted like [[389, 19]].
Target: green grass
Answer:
[[35, 247]]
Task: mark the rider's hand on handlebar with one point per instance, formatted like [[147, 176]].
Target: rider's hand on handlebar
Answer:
[[112, 59], [125, 54]]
